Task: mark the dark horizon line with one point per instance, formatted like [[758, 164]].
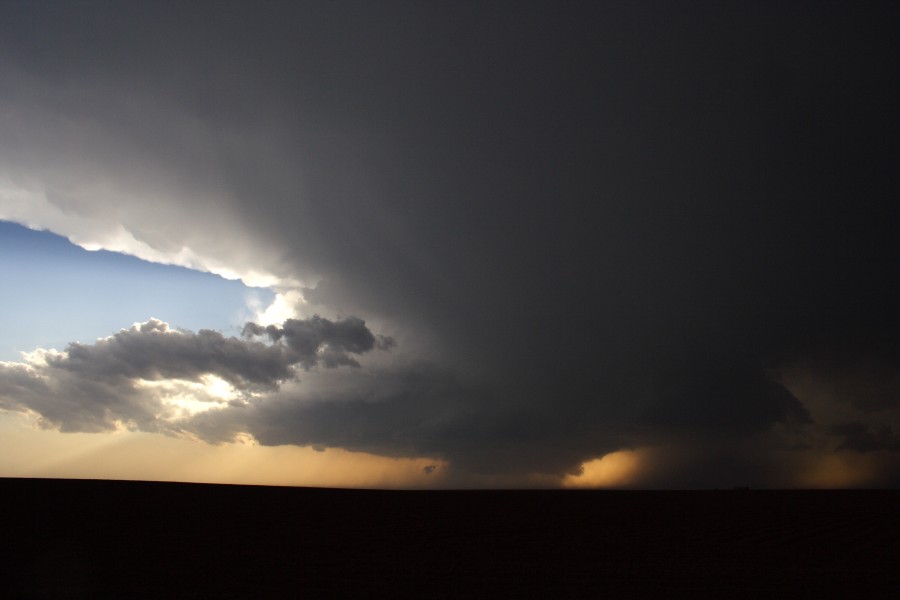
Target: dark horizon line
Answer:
[[737, 488]]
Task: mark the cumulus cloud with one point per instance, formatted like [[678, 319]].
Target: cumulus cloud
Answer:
[[99, 386], [152, 351], [315, 339], [72, 402]]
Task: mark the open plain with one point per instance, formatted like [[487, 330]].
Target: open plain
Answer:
[[89, 539]]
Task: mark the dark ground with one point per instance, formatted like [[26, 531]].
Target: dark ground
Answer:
[[88, 539]]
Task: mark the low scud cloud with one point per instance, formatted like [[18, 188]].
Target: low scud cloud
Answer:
[[539, 243]]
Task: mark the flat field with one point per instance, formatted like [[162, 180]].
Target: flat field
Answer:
[[90, 539]]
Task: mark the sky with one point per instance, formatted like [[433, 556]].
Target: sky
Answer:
[[451, 244], [103, 291]]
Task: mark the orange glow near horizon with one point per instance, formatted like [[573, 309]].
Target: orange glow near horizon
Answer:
[[840, 470], [26, 451], [616, 469]]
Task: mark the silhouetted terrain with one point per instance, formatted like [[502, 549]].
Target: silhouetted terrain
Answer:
[[64, 538]]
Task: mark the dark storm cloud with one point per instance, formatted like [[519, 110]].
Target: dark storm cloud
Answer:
[[861, 370], [865, 438], [416, 410], [601, 226], [724, 401], [315, 339]]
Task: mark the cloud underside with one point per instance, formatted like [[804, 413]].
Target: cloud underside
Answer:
[[566, 246], [281, 392]]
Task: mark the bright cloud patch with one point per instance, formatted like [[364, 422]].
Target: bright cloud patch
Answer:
[[282, 308], [616, 469], [187, 398]]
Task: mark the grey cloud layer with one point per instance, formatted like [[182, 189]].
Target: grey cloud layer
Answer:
[[152, 352], [317, 340], [89, 387], [72, 402], [608, 226]]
